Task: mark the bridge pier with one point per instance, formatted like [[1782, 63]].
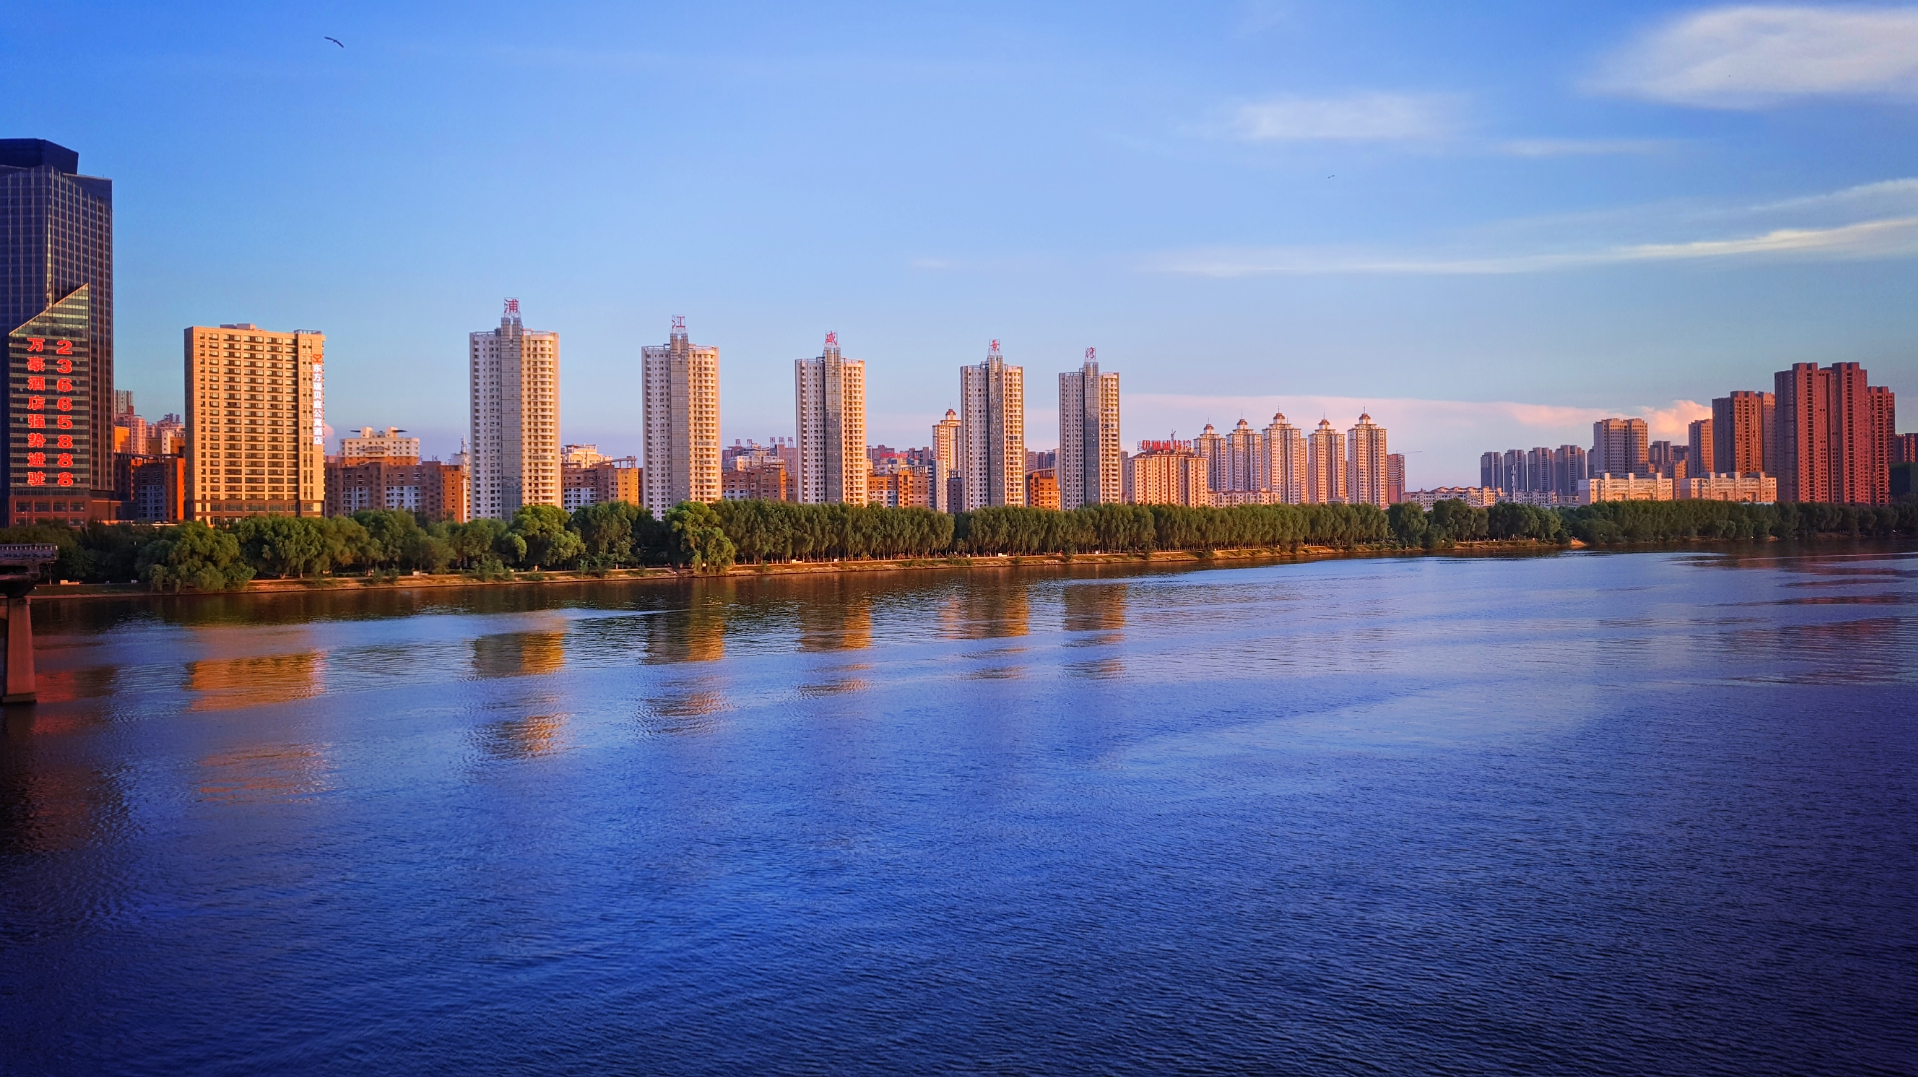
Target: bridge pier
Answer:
[[20, 566]]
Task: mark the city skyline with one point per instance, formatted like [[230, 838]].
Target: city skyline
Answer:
[[1530, 219]]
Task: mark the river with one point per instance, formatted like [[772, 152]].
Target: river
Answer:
[[1581, 813]]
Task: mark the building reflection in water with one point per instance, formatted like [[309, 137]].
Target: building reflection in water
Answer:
[[256, 681], [47, 806], [694, 634], [257, 775], [987, 609], [522, 738], [521, 654], [1095, 607], [682, 706], [835, 614]]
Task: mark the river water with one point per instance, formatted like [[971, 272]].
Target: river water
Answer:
[[1583, 813]]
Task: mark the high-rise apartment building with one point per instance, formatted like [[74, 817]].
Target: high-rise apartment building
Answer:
[[1569, 464], [1831, 435], [1395, 478], [255, 422], [947, 481], [1324, 466], [1743, 430], [1620, 447], [1242, 460], [1210, 445], [1701, 447], [1283, 466], [514, 454], [1089, 470], [1365, 466], [1884, 417], [681, 397], [829, 394], [992, 432], [56, 237]]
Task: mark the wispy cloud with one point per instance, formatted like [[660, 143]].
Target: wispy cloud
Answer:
[[1367, 117], [1752, 56], [1888, 238], [1583, 147]]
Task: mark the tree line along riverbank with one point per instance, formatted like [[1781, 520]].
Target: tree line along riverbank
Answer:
[[383, 544]]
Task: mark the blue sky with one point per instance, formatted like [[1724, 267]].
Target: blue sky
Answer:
[[1487, 223]]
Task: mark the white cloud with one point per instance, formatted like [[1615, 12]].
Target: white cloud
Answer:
[[1751, 56], [1888, 238], [1370, 117], [1582, 147]]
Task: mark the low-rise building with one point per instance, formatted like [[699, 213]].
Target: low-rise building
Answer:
[[434, 490], [764, 479], [1042, 487], [1167, 473], [900, 486], [599, 481], [1755, 487], [155, 488], [1478, 497], [374, 445], [1606, 486]]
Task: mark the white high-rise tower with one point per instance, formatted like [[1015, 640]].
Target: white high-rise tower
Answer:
[[1089, 449], [992, 432], [829, 395], [680, 395], [515, 417]]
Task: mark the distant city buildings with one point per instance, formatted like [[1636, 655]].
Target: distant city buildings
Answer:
[[992, 432], [1395, 478], [587, 477], [514, 420], [1478, 497], [1167, 473], [1282, 465], [378, 445], [255, 422], [1833, 435], [1042, 488], [830, 415], [1089, 469], [1608, 487], [1751, 487], [1742, 434], [1620, 447], [680, 394]]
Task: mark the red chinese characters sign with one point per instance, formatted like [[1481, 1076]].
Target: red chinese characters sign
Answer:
[[49, 420]]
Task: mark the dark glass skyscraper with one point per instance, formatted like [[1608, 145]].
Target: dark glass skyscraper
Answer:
[[56, 236]]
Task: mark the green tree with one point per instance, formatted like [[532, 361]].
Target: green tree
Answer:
[[193, 556], [607, 532], [702, 540], [538, 533]]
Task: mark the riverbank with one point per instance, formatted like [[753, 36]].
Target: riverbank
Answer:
[[990, 562]]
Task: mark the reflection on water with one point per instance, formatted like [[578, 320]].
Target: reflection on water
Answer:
[[1095, 607], [49, 805], [522, 738], [687, 705], [256, 775], [999, 608], [519, 654], [1328, 817], [231, 683], [695, 634], [837, 615]]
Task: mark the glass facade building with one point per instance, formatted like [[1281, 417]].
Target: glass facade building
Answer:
[[56, 237]]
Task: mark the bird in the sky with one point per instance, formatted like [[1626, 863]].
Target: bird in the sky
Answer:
[[337, 41]]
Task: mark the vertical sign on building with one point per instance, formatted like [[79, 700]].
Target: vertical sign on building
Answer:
[[49, 424]]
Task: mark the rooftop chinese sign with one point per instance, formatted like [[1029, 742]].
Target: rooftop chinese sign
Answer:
[[49, 383]]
